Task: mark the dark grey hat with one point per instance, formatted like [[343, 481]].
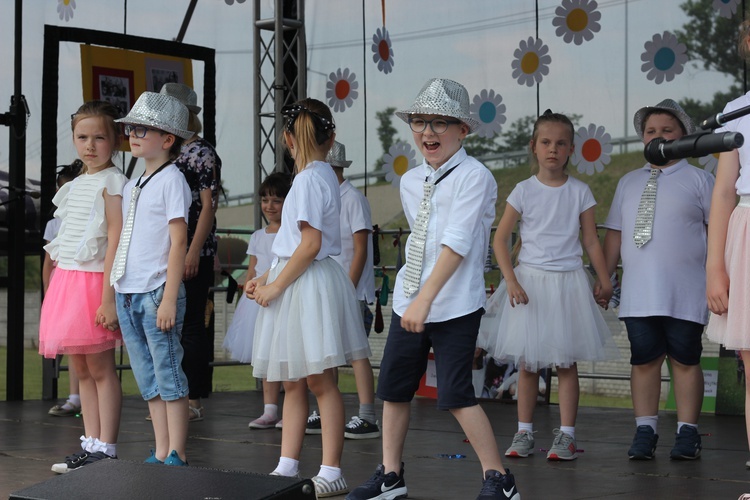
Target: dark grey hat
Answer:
[[185, 94], [669, 106]]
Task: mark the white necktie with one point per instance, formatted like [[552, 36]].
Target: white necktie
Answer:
[[121, 256], [644, 221]]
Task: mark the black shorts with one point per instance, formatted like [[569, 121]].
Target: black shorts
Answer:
[[405, 361]]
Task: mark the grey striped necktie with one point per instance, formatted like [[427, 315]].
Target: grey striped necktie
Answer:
[[413, 274], [121, 256], [644, 221]]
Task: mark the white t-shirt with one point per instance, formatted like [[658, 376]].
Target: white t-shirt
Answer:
[[550, 222], [314, 198], [356, 216], [741, 125], [667, 275], [166, 197], [51, 229], [260, 247], [81, 242], [461, 214]]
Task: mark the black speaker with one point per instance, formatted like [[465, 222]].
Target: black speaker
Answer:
[[120, 479]]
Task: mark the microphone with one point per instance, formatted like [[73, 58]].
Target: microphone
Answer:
[[659, 151]]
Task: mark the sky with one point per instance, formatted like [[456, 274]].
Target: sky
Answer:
[[472, 42]]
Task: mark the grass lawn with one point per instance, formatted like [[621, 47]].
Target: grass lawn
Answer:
[[226, 378]]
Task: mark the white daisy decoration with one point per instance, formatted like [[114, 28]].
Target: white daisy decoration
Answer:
[[341, 89], [709, 162], [488, 109], [592, 149], [577, 20], [398, 160], [531, 62], [726, 8], [664, 57], [65, 9], [382, 50]]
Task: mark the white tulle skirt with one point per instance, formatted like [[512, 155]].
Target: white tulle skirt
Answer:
[[240, 334], [314, 325], [561, 324]]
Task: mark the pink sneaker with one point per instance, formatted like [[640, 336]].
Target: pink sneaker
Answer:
[[263, 422]]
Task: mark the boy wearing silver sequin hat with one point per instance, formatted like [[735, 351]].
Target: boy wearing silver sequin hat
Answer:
[[438, 300], [148, 268]]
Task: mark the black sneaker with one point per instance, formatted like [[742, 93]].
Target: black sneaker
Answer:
[[644, 443], [359, 428], [96, 456], [313, 424], [687, 445], [499, 486], [381, 486], [72, 462]]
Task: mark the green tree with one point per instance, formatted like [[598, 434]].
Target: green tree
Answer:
[[477, 146], [386, 132], [711, 39]]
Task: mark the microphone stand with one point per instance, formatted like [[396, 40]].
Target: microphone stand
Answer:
[[719, 119]]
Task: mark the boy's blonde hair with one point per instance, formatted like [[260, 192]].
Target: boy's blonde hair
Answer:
[[742, 39]]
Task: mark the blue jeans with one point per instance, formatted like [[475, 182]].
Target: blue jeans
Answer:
[[155, 356]]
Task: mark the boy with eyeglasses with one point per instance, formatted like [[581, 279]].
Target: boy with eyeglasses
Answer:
[[438, 299], [148, 268]]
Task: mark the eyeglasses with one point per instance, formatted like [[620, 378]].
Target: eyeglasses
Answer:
[[140, 131], [438, 125]]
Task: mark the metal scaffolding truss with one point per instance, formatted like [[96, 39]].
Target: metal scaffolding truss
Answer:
[[280, 59]]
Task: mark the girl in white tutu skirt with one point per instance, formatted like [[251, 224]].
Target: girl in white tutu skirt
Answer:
[[310, 319], [544, 313], [240, 335]]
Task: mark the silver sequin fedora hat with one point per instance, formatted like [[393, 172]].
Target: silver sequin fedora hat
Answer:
[[159, 111], [185, 94], [440, 96], [669, 106], [337, 155]]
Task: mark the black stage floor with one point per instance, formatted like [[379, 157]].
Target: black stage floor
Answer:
[[30, 441]]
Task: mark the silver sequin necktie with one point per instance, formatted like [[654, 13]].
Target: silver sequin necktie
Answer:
[[121, 256], [418, 238], [644, 221], [413, 274]]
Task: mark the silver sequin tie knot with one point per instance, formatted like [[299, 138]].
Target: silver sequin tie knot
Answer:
[[644, 221], [121, 256], [413, 274]]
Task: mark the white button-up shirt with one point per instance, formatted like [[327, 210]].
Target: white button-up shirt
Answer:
[[461, 215]]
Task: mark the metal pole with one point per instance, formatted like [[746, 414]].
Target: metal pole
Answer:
[[623, 146], [16, 223]]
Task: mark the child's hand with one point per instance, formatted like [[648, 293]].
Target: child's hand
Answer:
[[516, 293], [717, 292], [602, 293], [415, 315], [106, 315], [191, 265], [264, 294], [165, 315]]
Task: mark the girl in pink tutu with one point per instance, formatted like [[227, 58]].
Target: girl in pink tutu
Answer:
[[727, 269], [79, 317]]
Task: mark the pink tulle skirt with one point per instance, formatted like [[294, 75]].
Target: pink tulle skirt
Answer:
[[733, 328], [68, 315]]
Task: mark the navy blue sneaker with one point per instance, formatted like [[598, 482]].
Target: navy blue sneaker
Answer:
[[498, 486], [381, 486], [96, 456], [644, 443], [687, 445], [71, 462]]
